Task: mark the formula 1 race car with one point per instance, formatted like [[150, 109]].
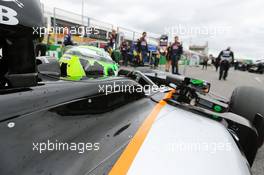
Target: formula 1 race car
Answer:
[[90, 127], [241, 66], [258, 67], [137, 122]]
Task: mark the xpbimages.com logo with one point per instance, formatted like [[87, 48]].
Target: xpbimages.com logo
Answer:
[[73, 30], [196, 31], [126, 88], [49, 146]]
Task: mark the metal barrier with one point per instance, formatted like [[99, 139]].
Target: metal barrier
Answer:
[[53, 14]]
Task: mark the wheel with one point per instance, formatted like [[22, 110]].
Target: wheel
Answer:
[[247, 102]]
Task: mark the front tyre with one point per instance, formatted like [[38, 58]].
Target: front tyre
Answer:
[[247, 102]]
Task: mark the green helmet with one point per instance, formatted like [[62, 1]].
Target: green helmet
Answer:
[[87, 61]]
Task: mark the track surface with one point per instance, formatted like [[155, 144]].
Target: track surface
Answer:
[[225, 88]]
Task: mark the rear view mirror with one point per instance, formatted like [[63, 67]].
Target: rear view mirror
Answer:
[[48, 66], [201, 85], [198, 85]]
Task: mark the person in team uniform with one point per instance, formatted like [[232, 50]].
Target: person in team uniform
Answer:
[[124, 51], [205, 62], [112, 40], [226, 57], [143, 48], [176, 52], [68, 39]]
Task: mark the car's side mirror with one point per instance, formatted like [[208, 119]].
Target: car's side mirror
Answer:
[[48, 66], [199, 85]]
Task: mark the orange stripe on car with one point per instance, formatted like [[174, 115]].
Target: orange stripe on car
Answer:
[[124, 162]]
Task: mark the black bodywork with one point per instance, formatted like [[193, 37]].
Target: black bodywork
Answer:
[[72, 112]]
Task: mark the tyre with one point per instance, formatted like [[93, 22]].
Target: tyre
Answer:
[[247, 102]]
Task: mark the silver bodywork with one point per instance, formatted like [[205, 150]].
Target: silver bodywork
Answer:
[[184, 143]]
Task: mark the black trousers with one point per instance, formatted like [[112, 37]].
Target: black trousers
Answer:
[[205, 65], [157, 60], [125, 58], [216, 67], [175, 64], [224, 68]]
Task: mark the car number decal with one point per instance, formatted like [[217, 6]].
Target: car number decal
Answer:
[[8, 16]]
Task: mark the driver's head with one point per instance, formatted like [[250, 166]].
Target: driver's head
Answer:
[[228, 48]]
